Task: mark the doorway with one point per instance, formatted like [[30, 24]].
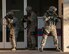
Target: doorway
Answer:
[[18, 7], [40, 7]]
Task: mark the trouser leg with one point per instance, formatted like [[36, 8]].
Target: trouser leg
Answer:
[[29, 38], [16, 35], [55, 38], [43, 42], [13, 42], [33, 41], [12, 38], [56, 41]]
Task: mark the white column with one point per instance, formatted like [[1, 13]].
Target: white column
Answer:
[[25, 24], [25, 5], [3, 22], [3, 8]]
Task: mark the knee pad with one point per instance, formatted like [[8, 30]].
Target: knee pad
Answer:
[[44, 31]]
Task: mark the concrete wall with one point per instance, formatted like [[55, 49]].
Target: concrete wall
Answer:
[[66, 26]]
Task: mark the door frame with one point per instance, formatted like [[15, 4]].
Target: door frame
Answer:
[[3, 24], [5, 44]]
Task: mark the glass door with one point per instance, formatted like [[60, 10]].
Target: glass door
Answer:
[[18, 7]]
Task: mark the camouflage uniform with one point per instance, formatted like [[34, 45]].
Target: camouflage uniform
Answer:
[[50, 19], [9, 20], [31, 26]]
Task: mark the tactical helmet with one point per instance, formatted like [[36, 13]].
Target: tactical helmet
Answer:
[[29, 8], [10, 15], [52, 8]]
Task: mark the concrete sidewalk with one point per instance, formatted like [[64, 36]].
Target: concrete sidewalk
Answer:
[[29, 52]]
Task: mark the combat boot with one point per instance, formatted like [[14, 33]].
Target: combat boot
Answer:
[[58, 50], [13, 49], [41, 49]]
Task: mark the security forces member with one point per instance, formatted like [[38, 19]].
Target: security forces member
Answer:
[[50, 19], [9, 20], [31, 26]]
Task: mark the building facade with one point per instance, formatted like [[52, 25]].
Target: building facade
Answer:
[[19, 6]]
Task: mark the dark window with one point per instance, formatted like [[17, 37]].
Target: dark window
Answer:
[[18, 7], [40, 6]]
